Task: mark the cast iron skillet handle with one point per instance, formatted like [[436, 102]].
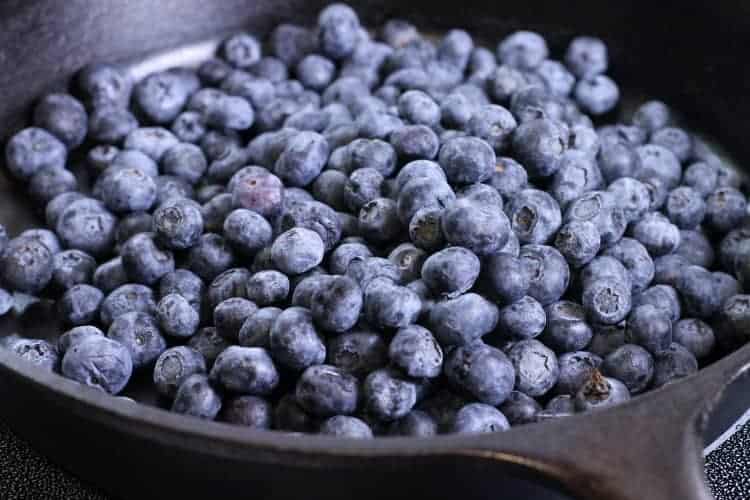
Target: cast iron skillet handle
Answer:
[[649, 448]]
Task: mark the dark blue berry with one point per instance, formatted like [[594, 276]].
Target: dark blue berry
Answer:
[[99, 362], [174, 366]]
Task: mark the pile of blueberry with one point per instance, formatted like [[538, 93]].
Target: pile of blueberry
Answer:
[[359, 235]]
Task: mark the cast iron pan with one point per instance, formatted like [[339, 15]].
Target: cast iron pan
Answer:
[[691, 54]]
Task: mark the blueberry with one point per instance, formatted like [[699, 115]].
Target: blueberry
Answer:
[[290, 43], [634, 256], [482, 229], [548, 272], [140, 334], [38, 352], [110, 275], [27, 265], [702, 177], [132, 158], [508, 178], [599, 207], [451, 272], [344, 253], [178, 224], [695, 248], [176, 316], [56, 206], [144, 261], [110, 124], [576, 368], [307, 286], [398, 32], [314, 216], [663, 297], [124, 299], [660, 163], [600, 392], [72, 267], [241, 50], [586, 57], [482, 64], [343, 426], [152, 141], [126, 189], [467, 160], [209, 343], [413, 142], [248, 411], [535, 366], [425, 229], [631, 364], [338, 31], [329, 188], [197, 398], [520, 409], [294, 341], [223, 111], [457, 109], [63, 116], [676, 140], [697, 289], [210, 257], [246, 231], [534, 216], [98, 362], [416, 423], [694, 335], [358, 352], [379, 221], [261, 192], [315, 71], [482, 371], [649, 327], [409, 260], [231, 314], [579, 242], [256, 329], [564, 404], [105, 84], [325, 390], [479, 418], [161, 96], [421, 193], [297, 250], [267, 287], [245, 370], [524, 50], [371, 154], [657, 234], [577, 173], [174, 366], [87, 226], [725, 209], [463, 319], [416, 352], [482, 194], [725, 286], [685, 207], [336, 306], [388, 395], [189, 127], [185, 161], [76, 335], [184, 283], [49, 182], [632, 196], [652, 116], [618, 159], [597, 95], [289, 416], [507, 279], [504, 82], [523, 319], [387, 305], [80, 304], [672, 364]]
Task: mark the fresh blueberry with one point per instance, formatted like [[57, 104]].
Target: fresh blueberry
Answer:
[[523, 319], [63, 116], [174, 366], [524, 50], [463, 319], [290, 43], [161, 96], [210, 257], [80, 304], [105, 84], [663, 297], [649, 327], [27, 265], [49, 182], [658, 162], [379, 221], [124, 299], [72, 267], [587, 57], [388, 305], [99, 362], [388, 395], [451, 272], [294, 342], [416, 423], [548, 272], [413, 142], [479, 418], [338, 31], [676, 140], [176, 316], [507, 279], [110, 124], [416, 352], [186, 284], [346, 427], [358, 352], [600, 392], [577, 173], [248, 411], [467, 160], [634, 256], [652, 116], [672, 364], [245, 370], [520, 409], [694, 335], [657, 234], [576, 368], [725, 209], [482, 371], [697, 289], [256, 329], [325, 390], [110, 275], [597, 95], [632, 365], [578, 241], [695, 248], [535, 366], [246, 231], [38, 352], [140, 334], [76, 335], [632, 196], [197, 398], [209, 343], [315, 216], [702, 177], [189, 127]]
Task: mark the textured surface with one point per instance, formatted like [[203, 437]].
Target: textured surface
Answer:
[[25, 474]]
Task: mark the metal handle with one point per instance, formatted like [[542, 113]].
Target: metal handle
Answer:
[[649, 448]]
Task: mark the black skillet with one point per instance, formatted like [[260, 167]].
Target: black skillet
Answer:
[[691, 54]]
